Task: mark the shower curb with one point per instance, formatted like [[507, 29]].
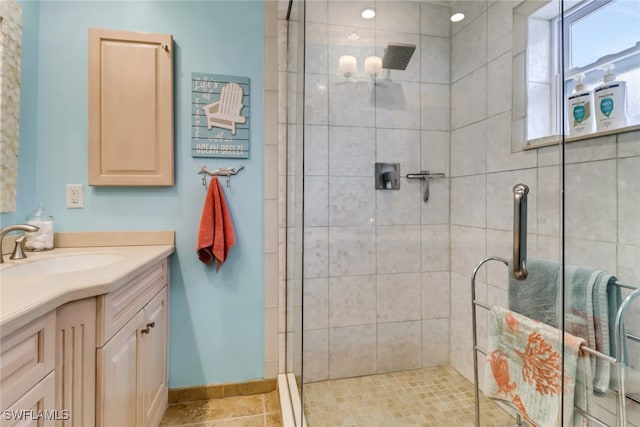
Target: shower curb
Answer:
[[286, 405]]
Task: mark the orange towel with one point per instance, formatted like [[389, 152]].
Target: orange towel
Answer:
[[215, 236]]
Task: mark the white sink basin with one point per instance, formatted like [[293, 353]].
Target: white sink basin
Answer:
[[60, 264]]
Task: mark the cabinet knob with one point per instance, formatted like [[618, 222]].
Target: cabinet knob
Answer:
[[146, 330]]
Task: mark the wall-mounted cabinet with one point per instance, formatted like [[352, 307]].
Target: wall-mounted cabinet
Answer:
[[130, 108]]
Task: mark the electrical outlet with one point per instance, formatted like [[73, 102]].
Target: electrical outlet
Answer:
[[75, 196]]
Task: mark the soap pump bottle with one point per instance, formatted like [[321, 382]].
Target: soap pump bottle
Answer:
[[610, 102], [42, 239], [580, 109]]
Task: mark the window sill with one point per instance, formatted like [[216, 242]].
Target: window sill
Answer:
[[557, 139]]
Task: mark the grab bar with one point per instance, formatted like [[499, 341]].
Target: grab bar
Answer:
[[520, 192]]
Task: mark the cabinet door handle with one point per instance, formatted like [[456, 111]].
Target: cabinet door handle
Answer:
[[146, 330]]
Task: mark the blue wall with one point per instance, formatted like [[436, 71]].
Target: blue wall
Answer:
[[217, 319]]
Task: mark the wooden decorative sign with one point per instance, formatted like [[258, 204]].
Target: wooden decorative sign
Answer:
[[219, 116]]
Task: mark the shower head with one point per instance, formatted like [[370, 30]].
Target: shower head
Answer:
[[397, 55]]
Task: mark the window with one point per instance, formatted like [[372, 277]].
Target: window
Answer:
[[600, 32], [595, 33]]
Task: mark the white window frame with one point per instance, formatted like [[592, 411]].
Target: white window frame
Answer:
[[575, 14], [525, 129], [536, 64], [572, 16]]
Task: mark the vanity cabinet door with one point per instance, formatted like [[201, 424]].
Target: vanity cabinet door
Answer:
[[132, 370], [154, 360], [117, 397], [130, 108], [132, 364]]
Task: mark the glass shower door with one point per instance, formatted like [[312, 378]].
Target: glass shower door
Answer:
[[387, 331], [293, 72], [601, 175]]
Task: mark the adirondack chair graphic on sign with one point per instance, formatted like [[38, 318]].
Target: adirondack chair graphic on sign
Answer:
[[225, 112]]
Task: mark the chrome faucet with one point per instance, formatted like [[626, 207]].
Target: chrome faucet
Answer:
[[18, 252]]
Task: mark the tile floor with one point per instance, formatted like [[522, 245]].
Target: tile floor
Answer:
[[435, 397], [258, 410]]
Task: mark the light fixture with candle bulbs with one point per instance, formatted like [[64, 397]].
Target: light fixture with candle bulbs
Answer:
[[347, 65], [372, 66]]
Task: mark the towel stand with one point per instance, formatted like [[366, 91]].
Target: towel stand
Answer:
[[619, 363], [218, 172]]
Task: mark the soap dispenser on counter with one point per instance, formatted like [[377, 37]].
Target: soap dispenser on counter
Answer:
[[580, 107], [610, 101], [42, 239]]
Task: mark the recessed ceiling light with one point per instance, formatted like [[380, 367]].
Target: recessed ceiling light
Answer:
[[368, 13], [457, 17]]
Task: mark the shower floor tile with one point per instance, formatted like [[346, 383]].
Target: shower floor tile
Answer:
[[435, 397]]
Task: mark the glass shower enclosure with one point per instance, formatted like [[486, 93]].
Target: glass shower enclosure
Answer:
[[407, 132]]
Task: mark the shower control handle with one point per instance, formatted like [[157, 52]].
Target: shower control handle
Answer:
[[520, 192]]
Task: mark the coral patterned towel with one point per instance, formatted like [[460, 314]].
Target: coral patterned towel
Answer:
[[524, 369], [215, 236]]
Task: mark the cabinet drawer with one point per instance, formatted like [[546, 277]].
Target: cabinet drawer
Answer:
[[36, 407], [118, 307], [26, 356]]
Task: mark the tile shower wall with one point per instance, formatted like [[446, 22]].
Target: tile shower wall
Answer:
[[376, 263], [602, 195]]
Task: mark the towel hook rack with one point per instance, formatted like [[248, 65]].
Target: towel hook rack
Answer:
[[218, 172]]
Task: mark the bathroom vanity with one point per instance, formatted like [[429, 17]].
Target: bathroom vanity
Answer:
[[83, 336]]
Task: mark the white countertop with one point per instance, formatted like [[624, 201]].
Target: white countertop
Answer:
[[25, 298]]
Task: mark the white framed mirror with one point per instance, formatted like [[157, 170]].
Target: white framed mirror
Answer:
[[10, 56]]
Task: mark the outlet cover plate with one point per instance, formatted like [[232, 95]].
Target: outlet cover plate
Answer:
[[75, 196]]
